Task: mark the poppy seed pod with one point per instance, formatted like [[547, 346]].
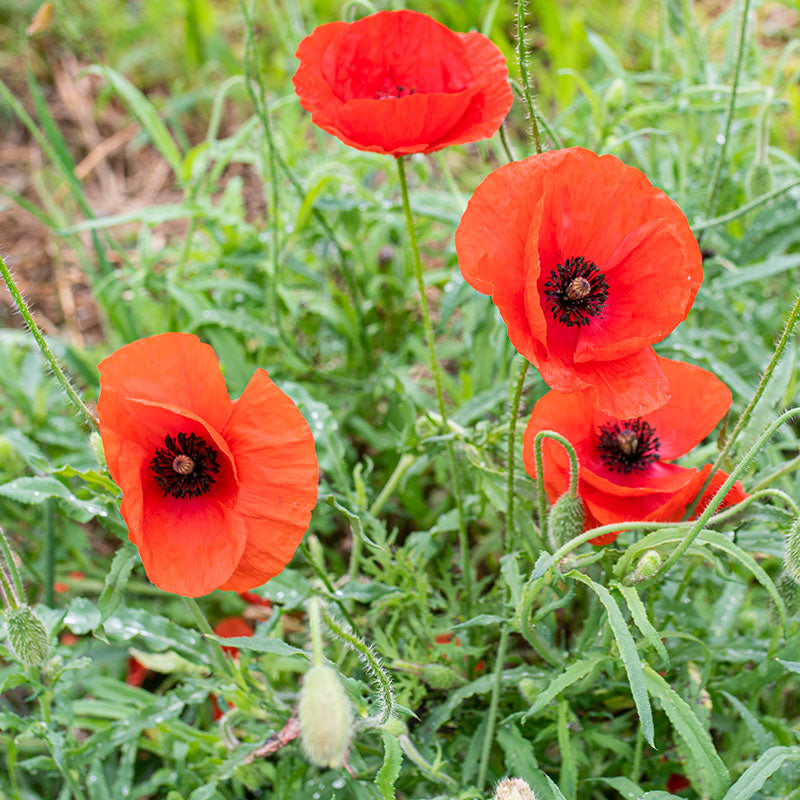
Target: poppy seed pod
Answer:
[[513, 789], [326, 717], [440, 676], [26, 635], [566, 520]]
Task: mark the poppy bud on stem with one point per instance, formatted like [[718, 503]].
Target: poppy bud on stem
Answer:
[[567, 514]]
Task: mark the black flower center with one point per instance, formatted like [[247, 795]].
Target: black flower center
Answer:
[[389, 92], [185, 466], [628, 446], [576, 291]]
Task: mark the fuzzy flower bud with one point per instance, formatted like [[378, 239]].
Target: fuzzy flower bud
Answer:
[[26, 635], [326, 717], [789, 589], [439, 676], [513, 789], [565, 520], [616, 95], [759, 179], [648, 565], [791, 560]]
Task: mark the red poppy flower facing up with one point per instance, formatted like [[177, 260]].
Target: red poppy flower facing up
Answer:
[[589, 265], [216, 494], [625, 469], [399, 82]]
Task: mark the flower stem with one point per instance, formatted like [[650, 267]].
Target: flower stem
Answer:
[[746, 208], [43, 346], [573, 474], [320, 573], [522, 57], [215, 650], [315, 627], [403, 465], [746, 414], [493, 703], [711, 200], [515, 400], [437, 378], [715, 501], [10, 572], [49, 553]]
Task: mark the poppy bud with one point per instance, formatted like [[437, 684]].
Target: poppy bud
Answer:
[[326, 717], [513, 789], [566, 520], [648, 565], [26, 635], [439, 676], [616, 95], [759, 179], [395, 727], [789, 589], [791, 560]]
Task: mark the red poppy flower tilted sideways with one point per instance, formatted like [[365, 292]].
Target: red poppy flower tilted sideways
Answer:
[[589, 264], [399, 82], [625, 465], [216, 493]]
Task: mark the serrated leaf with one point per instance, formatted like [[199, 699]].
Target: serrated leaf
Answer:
[[627, 651], [756, 775], [33, 491], [639, 614], [390, 769], [572, 674], [762, 737], [625, 786], [520, 758], [709, 772], [116, 580], [260, 644]]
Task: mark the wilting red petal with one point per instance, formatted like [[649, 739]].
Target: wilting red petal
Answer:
[[529, 218], [399, 82], [677, 783]]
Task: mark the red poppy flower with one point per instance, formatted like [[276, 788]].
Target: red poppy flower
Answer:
[[228, 627], [399, 82], [588, 264], [217, 494], [625, 472]]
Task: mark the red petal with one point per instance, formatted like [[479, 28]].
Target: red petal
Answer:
[[734, 496]]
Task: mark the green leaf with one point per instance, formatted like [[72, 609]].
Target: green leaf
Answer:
[[145, 113], [639, 614], [168, 662], [755, 776], [260, 644], [625, 786], [709, 772], [627, 651], [557, 795], [762, 737], [34, 491], [572, 674], [116, 581], [82, 616], [520, 758], [390, 769]]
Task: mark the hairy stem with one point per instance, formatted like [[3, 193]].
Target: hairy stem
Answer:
[[43, 346], [515, 400], [522, 57], [573, 474], [493, 704], [437, 378]]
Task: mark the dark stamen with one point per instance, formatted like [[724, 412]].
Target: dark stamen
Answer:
[[390, 92], [577, 291], [185, 466], [628, 446]]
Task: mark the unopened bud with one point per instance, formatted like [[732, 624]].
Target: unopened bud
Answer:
[[566, 520], [758, 180], [789, 589], [648, 565], [513, 789], [616, 95], [326, 717], [439, 676], [26, 635], [791, 559], [395, 726]]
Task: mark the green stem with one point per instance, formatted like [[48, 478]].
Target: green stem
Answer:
[[215, 651], [10, 571], [506, 144], [315, 626], [746, 208], [789, 466], [715, 501], [573, 474], [49, 553], [437, 378], [416, 758], [522, 57], [515, 400], [493, 704], [756, 495], [43, 346], [403, 465], [374, 667], [711, 199], [326, 581], [745, 416]]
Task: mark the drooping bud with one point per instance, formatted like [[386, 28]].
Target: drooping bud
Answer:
[[648, 565], [26, 635], [513, 789], [566, 520], [791, 560], [440, 676], [326, 717]]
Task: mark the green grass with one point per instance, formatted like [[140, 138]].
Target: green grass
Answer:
[[320, 291]]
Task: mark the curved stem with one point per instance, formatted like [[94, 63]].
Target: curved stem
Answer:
[[493, 703], [23, 309], [403, 465], [711, 200], [760, 494], [700, 522], [315, 628], [515, 400], [326, 581], [215, 650], [573, 473], [506, 144], [437, 378], [746, 208], [745, 416], [522, 57]]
